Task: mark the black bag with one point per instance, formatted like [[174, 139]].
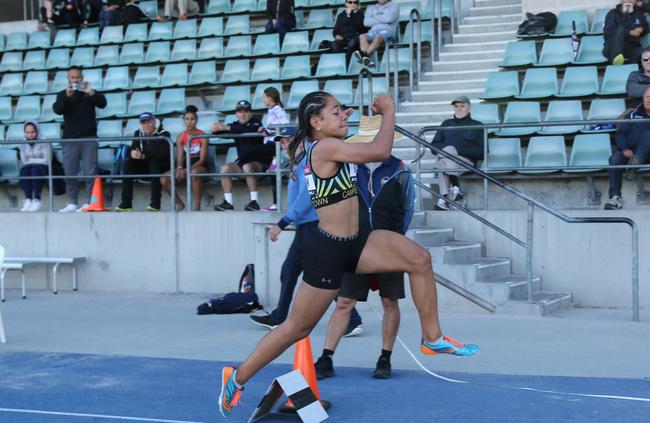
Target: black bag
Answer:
[[231, 303], [539, 24], [247, 280], [58, 185], [325, 45]]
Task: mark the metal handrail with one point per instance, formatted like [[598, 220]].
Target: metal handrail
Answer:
[[415, 14]]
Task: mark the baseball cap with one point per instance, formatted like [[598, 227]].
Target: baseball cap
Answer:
[[461, 99], [243, 105], [289, 131], [146, 116]]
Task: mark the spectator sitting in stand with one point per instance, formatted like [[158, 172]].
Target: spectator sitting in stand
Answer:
[[182, 9], [276, 116], [145, 157], [111, 14], [281, 18], [90, 11], [382, 19], [132, 13], [347, 29], [624, 26], [34, 158], [639, 80], [253, 155], [62, 13]]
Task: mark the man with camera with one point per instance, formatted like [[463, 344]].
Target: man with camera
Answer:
[[77, 105]]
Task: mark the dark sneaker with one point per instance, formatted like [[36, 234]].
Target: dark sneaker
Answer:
[[324, 367], [122, 208], [224, 206], [252, 206], [358, 56], [629, 174], [353, 329], [266, 320], [367, 61], [382, 371], [614, 203]]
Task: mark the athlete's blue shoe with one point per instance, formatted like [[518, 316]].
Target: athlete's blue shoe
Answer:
[[230, 395], [448, 346]]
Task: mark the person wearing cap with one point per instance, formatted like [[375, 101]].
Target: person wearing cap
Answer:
[[253, 156], [466, 144], [144, 158]]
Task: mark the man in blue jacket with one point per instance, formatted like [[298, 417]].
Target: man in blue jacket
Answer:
[[624, 27]]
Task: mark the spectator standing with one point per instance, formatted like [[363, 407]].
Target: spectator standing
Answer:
[[632, 147], [145, 157], [281, 18], [181, 9], [253, 155], [34, 157], [467, 145], [77, 105], [624, 26], [62, 13], [347, 29], [382, 19], [276, 116], [638, 81]]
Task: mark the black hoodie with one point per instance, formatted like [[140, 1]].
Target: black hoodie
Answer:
[[468, 142], [616, 18], [78, 110]]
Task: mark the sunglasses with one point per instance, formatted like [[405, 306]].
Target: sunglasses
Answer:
[[646, 59], [352, 2]]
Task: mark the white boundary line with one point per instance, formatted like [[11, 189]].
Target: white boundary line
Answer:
[[104, 416]]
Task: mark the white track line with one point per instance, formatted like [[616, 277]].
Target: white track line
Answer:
[[104, 416]]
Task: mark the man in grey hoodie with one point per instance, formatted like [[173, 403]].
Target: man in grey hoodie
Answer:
[[639, 81], [382, 19]]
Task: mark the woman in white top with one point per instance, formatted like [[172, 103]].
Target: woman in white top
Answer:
[[34, 158], [276, 116]]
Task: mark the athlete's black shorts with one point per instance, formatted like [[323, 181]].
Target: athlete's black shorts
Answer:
[[326, 258], [391, 285]]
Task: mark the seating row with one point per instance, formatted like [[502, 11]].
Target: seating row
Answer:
[[555, 52], [564, 27]]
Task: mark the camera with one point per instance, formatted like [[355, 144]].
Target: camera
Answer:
[[79, 86]]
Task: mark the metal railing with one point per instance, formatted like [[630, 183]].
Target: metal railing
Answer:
[[414, 74]]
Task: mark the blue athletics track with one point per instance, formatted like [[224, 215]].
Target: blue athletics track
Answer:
[[47, 387]]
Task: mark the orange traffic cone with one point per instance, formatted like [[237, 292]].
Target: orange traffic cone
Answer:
[[97, 198], [304, 361]]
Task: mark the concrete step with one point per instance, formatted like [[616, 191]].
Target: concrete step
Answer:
[[518, 284], [477, 54], [477, 38], [452, 252], [433, 236], [460, 75], [462, 65], [514, 18], [431, 96], [418, 220], [464, 47], [544, 303], [427, 86], [487, 28], [499, 10], [488, 3]]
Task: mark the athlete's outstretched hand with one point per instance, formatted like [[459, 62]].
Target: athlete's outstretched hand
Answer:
[[383, 105]]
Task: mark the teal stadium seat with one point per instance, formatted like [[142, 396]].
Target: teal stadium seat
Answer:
[[174, 75], [11, 62], [266, 69], [355, 67], [539, 83], [15, 132], [109, 129], [136, 32], [112, 34], [34, 60], [426, 33], [324, 3], [258, 103], [405, 8], [141, 102], [298, 90], [402, 61], [446, 9], [131, 126], [266, 44], [501, 85], [115, 105], [94, 77], [238, 46], [261, 6], [319, 36], [331, 65], [211, 27], [591, 51], [562, 110], [319, 18], [183, 50], [2, 127], [210, 48], [590, 150], [174, 126], [236, 71], [203, 73], [158, 51], [615, 79], [88, 37], [486, 113], [598, 21], [565, 21], [146, 77], [59, 82], [216, 7], [579, 81], [296, 67], [185, 29], [232, 95], [378, 86], [556, 52], [9, 163], [28, 108], [519, 53], [47, 113], [172, 100], [6, 109], [244, 5], [107, 55], [65, 38], [117, 78], [503, 154], [237, 25], [50, 131], [295, 42], [150, 8], [58, 59], [602, 109], [161, 31], [16, 41], [39, 39], [520, 112], [545, 152], [341, 89], [12, 84], [82, 57]]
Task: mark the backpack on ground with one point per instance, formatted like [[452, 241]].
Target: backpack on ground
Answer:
[[231, 303]]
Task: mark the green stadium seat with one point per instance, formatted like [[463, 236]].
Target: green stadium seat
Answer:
[[258, 103], [590, 150], [301, 3], [298, 90], [503, 154], [28, 108], [105, 160], [331, 65], [267, 44], [58, 59], [16, 41], [378, 86], [172, 100], [174, 125], [59, 82], [131, 126], [141, 102], [146, 77], [117, 78], [545, 151], [175, 74], [47, 113], [241, 45], [232, 95], [314, 3], [598, 21], [237, 25], [402, 61], [520, 112], [109, 129], [9, 160], [563, 110], [203, 73], [184, 50], [501, 85], [579, 81], [116, 105], [261, 6], [236, 71], [158, 51], [295, 42], [88, 37], [161, 31], [556, 52], [564, 27], [319, 36], [426, 34], [266, 69], [82, 56], [405, 8], [11, 62], [150, 8], [15, 132], [244, 6], [50, 131], [615, 79], [35, 82], [2, 127], [211, 27], [319, 18], [539, 83], [39, 39], [94, 76], [6, 109], [132, 53], [34, 60], [486, 113], [519, 53], [602, 109], [136, 32], [446, 9], [65, 38], [296, 67], [216, 7], [341, 89], [210, 48], [355, 67], [107, 55], [2, 47], [591, 51], [112, 34], [185, 29], [12, 84]]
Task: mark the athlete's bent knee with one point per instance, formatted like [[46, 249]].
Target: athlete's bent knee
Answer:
[[343, 303], [421, 260]]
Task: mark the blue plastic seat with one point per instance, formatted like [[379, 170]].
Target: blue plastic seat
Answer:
[[50, 131], [211, 27], [184, 50], [319, 18], [82, 57], [598, 21], [185, 29], [115, 105], [58, 59], [47, 113], [131, 126], [88, 37], [266, 69], [295, 42], [16, 41], [9, 159], [2, 127], [141, 102], [112, 34], [132, 53], [11, 62], [341, 89], [146, 77], [15, 132], [232, 95], [6, 110], [175, 74], [216, 7], [241, 45], [331, 65], [117, 78], [158, 51], [602, 109], [501, 85], [520, 53], [503, 154], [39, 39], [487, 113], [203, 73], [267, 44], [107, 55], [174, 126], [94, 77], [258, 103], [378, 85], [237, 25], [615, 79], [244, 6], [296, 67], [109, 129], [12, 84], [354, 67], [405, 8], [298, 90], [161, 31], [521, 112], [579, 81], [136, 32], [545, 152], [556, 52], [236, 71], [319, 36], [28, 108], [261, 6], [539, 83], [210, 48], [590, 150], [35, 82], [402, 61], [591, 51], [172, 100], [60, 81], [564, 27], [563, 110], [425, 34], [34, 60], [150, 8]]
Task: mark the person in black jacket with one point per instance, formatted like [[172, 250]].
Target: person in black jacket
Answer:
[[280, 17], [467, 145], [348, 27], [144, 158], [624, 26], [77, 105]]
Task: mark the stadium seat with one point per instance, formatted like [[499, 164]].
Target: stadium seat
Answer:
[[105, 160], [35, 82], [501, 85], [211, 27], [539, 83], [50, 131], [258, 103], [579, 81], [237, 25], [615, 79], [2, 127], [203, 73], [172, 100], [136, 32], [261, 6], [39, 39], [266, 69], [11, 62], [47, 113], [562, 110], [183, 50], [16, 41], [161, 31], [341, 89], [426, 34], [295, 42], [405, 8], [216, 7], [331, 65], [185, 29], [150, 8], [12, 84], [58, 59], [519, 53], [298, 90], [141, 102], [591, 51], [107, 55], [598, 21], [88, 37], [503, 153], [232, 95], [94, 76], [158, 51], [59, 82], [6, 109], [241, 45], [175, 74], [378, 86], [267, 44], [318, 18], [564, 27], [9, 163], [34, 60], [543, 152], [402, 61], [319, 36], [604, 108], [486, 113], [131, 126], [116, 105], [244, 6], [236, 70], [82, 56], [355, 67], [117, 78], [174, 125], [326, 3], [15, 132], [210, 48], [590, 150], [146, 77], [556, 52], [109, 129], [112, 34], [65, 38], [519, 112], [296, 67]]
